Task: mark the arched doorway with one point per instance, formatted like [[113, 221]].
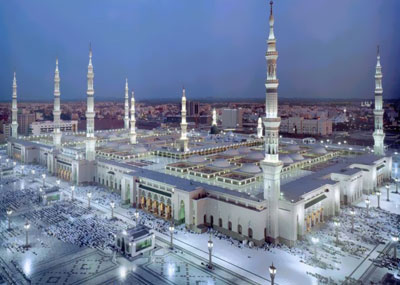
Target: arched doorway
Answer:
[[211, 221], [205, 219], [230, 225], [181, 215], [220, 222], [240, 229], [250, 233]]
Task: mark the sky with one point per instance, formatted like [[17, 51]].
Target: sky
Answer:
[[215, 48]]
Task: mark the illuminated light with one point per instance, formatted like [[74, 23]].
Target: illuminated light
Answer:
[[122, 273], [171, 269], [27, 267]]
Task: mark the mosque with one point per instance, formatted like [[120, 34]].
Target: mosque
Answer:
[[254, 187]]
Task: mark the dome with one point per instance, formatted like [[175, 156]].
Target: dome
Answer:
[[256, 155], [221, 163], [286, 159], [293, 147], [231, 152], [319, 150], [124, 147], [244, 150], [250, 168], [196, 159], [296, 156], [214, 130]]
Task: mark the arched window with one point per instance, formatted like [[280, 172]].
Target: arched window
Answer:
[[211, 221], [250, 234], [240, 229], [230, 225], [205, 219], [220, 222]]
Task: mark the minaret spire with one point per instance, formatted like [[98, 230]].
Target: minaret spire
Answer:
[[214, 117], [379, 135], [14, 109], [271, 164], [57, 110], [184, 139], [126, 118], [132, 133], [90, 114], [259, 128]]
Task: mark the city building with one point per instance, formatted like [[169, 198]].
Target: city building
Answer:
[[232, 118], [47, 127], [302, 126], [24, 121]]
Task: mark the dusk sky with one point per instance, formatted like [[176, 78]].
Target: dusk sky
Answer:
[[216, 48]]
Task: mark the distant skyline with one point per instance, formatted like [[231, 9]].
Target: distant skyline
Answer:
[[216, 48]]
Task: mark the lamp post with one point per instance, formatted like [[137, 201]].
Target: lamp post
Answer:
[[33, 174], [272, 273], [89, 196], [395, 239], [315, 241], [171, 231], [27, 226], [22, 170], [378, 194], [112, 204], [72, 192], [367, 201], [44, 180], [396, 180], [210, 247], [387, 190], [9, 213], [352, 213], [337, 225], [136, 217], [40, 194], [58, 182], [14, 164]]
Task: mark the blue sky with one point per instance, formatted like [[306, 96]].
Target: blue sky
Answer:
[[215, 48]]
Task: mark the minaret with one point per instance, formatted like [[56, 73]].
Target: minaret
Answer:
[[214, 118], [271, 164], [132, 133], [184, 139], [57, 110], [378, 134], [14, 109], [126, 118], [90, 114], [259, 128]]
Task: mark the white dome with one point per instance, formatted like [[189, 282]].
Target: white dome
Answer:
[[139, 149], [296, 156], [319, 150], [196, 159], [256, 155], [221, 163], [293, 147], [250, 168], [286, 159], [231, 152], [244, 150]]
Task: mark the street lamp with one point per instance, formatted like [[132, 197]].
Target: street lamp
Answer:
[[112, 204], [367, 201], [44, 179], [9, 212], [315, 241], [58, 182], [210, 247], [378, 194], [352, 213], [22, 170], [33, 174], [171, 231], [136, 217], [387, 190], [27, 226], [337, 225], [396, 180], [72, 192], [272, 273], [89, 196], [395, 239], [40, 194]]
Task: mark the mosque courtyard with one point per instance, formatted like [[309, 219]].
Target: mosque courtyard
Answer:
[[70, 243]]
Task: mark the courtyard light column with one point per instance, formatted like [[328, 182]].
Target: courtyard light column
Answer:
[[27, 226], [14, 164], [396, 181], [367, 201], [89, 196], [315, 241], [72, 192], [22, 170], [33, 175], [378, 194], [9, 213], [210, 247], [272, 273], [387, 190], [352, 213], [136, 217], [337, 225], [44, 180], [395, 239], [112, 204], [171, 231]]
